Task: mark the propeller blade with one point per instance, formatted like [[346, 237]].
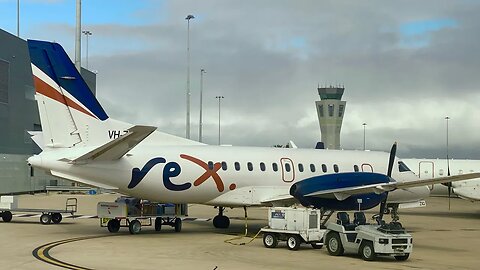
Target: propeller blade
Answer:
[[391, 159]]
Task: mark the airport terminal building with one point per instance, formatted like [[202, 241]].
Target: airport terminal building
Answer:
[[18, 115]]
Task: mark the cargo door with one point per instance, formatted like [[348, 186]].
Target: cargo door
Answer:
[[426, 170]]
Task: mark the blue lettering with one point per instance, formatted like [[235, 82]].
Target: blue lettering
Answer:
[[172, 169], [138, 175]]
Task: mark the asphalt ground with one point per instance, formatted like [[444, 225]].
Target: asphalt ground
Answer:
[[443, 239]]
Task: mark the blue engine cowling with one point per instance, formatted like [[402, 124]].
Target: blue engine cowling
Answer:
[[302, 188]]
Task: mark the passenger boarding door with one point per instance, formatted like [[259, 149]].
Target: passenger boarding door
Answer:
[[288, 171], [426, 170], [367, 167]]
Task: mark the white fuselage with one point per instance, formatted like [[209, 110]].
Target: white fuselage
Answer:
[[433, 168], [243, 176]]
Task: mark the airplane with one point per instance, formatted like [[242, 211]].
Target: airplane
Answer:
[[82, 143], [431, 168]]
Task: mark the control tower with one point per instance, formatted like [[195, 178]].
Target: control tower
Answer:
[[330, 110]]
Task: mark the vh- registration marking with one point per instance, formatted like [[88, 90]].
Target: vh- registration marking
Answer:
[[173, 169]]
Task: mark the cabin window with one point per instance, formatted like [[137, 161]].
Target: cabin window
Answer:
[[237, 166], [324, 168], [224, 165], [312, 167], [250, 166], [262, 166], [274, 167], [287, 167], [300, 167], [210, 165], [335, 167], [355, 168]]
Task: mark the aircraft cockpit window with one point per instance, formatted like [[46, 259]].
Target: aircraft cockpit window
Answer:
[[402, 167], [274, 167], [262, 166]]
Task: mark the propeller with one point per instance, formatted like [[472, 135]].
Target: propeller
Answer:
[[391, 161]]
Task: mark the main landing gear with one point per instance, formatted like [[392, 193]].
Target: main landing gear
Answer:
[[220, 221]]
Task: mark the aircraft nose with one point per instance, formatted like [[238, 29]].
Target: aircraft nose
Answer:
[[35, 161]]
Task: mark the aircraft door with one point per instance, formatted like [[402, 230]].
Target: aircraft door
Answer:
[[367, 167], [288, 170], [426, 169]]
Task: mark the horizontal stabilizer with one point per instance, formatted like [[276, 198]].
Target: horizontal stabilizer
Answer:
[[81, 180], [115, 149]]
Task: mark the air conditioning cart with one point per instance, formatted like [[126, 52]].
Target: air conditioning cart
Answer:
[[295, 226]]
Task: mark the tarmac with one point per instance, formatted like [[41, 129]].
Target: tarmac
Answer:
[[443, 239]]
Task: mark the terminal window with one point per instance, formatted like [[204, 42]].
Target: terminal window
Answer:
[[330, 110], [4, 74], [320, 110], [341, 108]]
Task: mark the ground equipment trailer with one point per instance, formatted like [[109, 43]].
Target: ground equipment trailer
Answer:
[[135, 213], [368, 240], [9, 204], [295, 226]]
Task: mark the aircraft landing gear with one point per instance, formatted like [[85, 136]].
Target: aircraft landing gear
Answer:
[[220, 221]]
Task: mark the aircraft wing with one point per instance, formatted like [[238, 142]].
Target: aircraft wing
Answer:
[[343, 193], [115, 149]]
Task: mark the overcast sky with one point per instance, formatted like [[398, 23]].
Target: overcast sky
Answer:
[[405, 66]]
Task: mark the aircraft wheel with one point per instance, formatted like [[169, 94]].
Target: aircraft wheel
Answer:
[[56, 218], [7, 216], [178, 225], [293, 242], [402, 257], [113, 225], [135, 226], [366, 251], [334, 244], [270, 240], [158, 224], [221, 222], [45, 219]]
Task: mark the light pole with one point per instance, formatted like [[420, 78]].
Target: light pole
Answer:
[[188, 18], [87, 33], [18, 18], [78, 36], [200, 125], [448, 162], [364, 125], [219, 101]]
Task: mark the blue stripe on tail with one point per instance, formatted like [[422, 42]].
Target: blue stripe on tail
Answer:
[[53, 61]]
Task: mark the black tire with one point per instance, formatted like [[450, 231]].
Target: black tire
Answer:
[[45, 219], [334, 244], [366, 251], [402, 257], [113, 225], [221, 222], [178, 225], [56, 218], [158, 224], [134, 227], [7, 216], [317, 245], [270, 240], [293, 242]]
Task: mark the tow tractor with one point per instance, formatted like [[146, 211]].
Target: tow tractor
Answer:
[[368, 240]]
